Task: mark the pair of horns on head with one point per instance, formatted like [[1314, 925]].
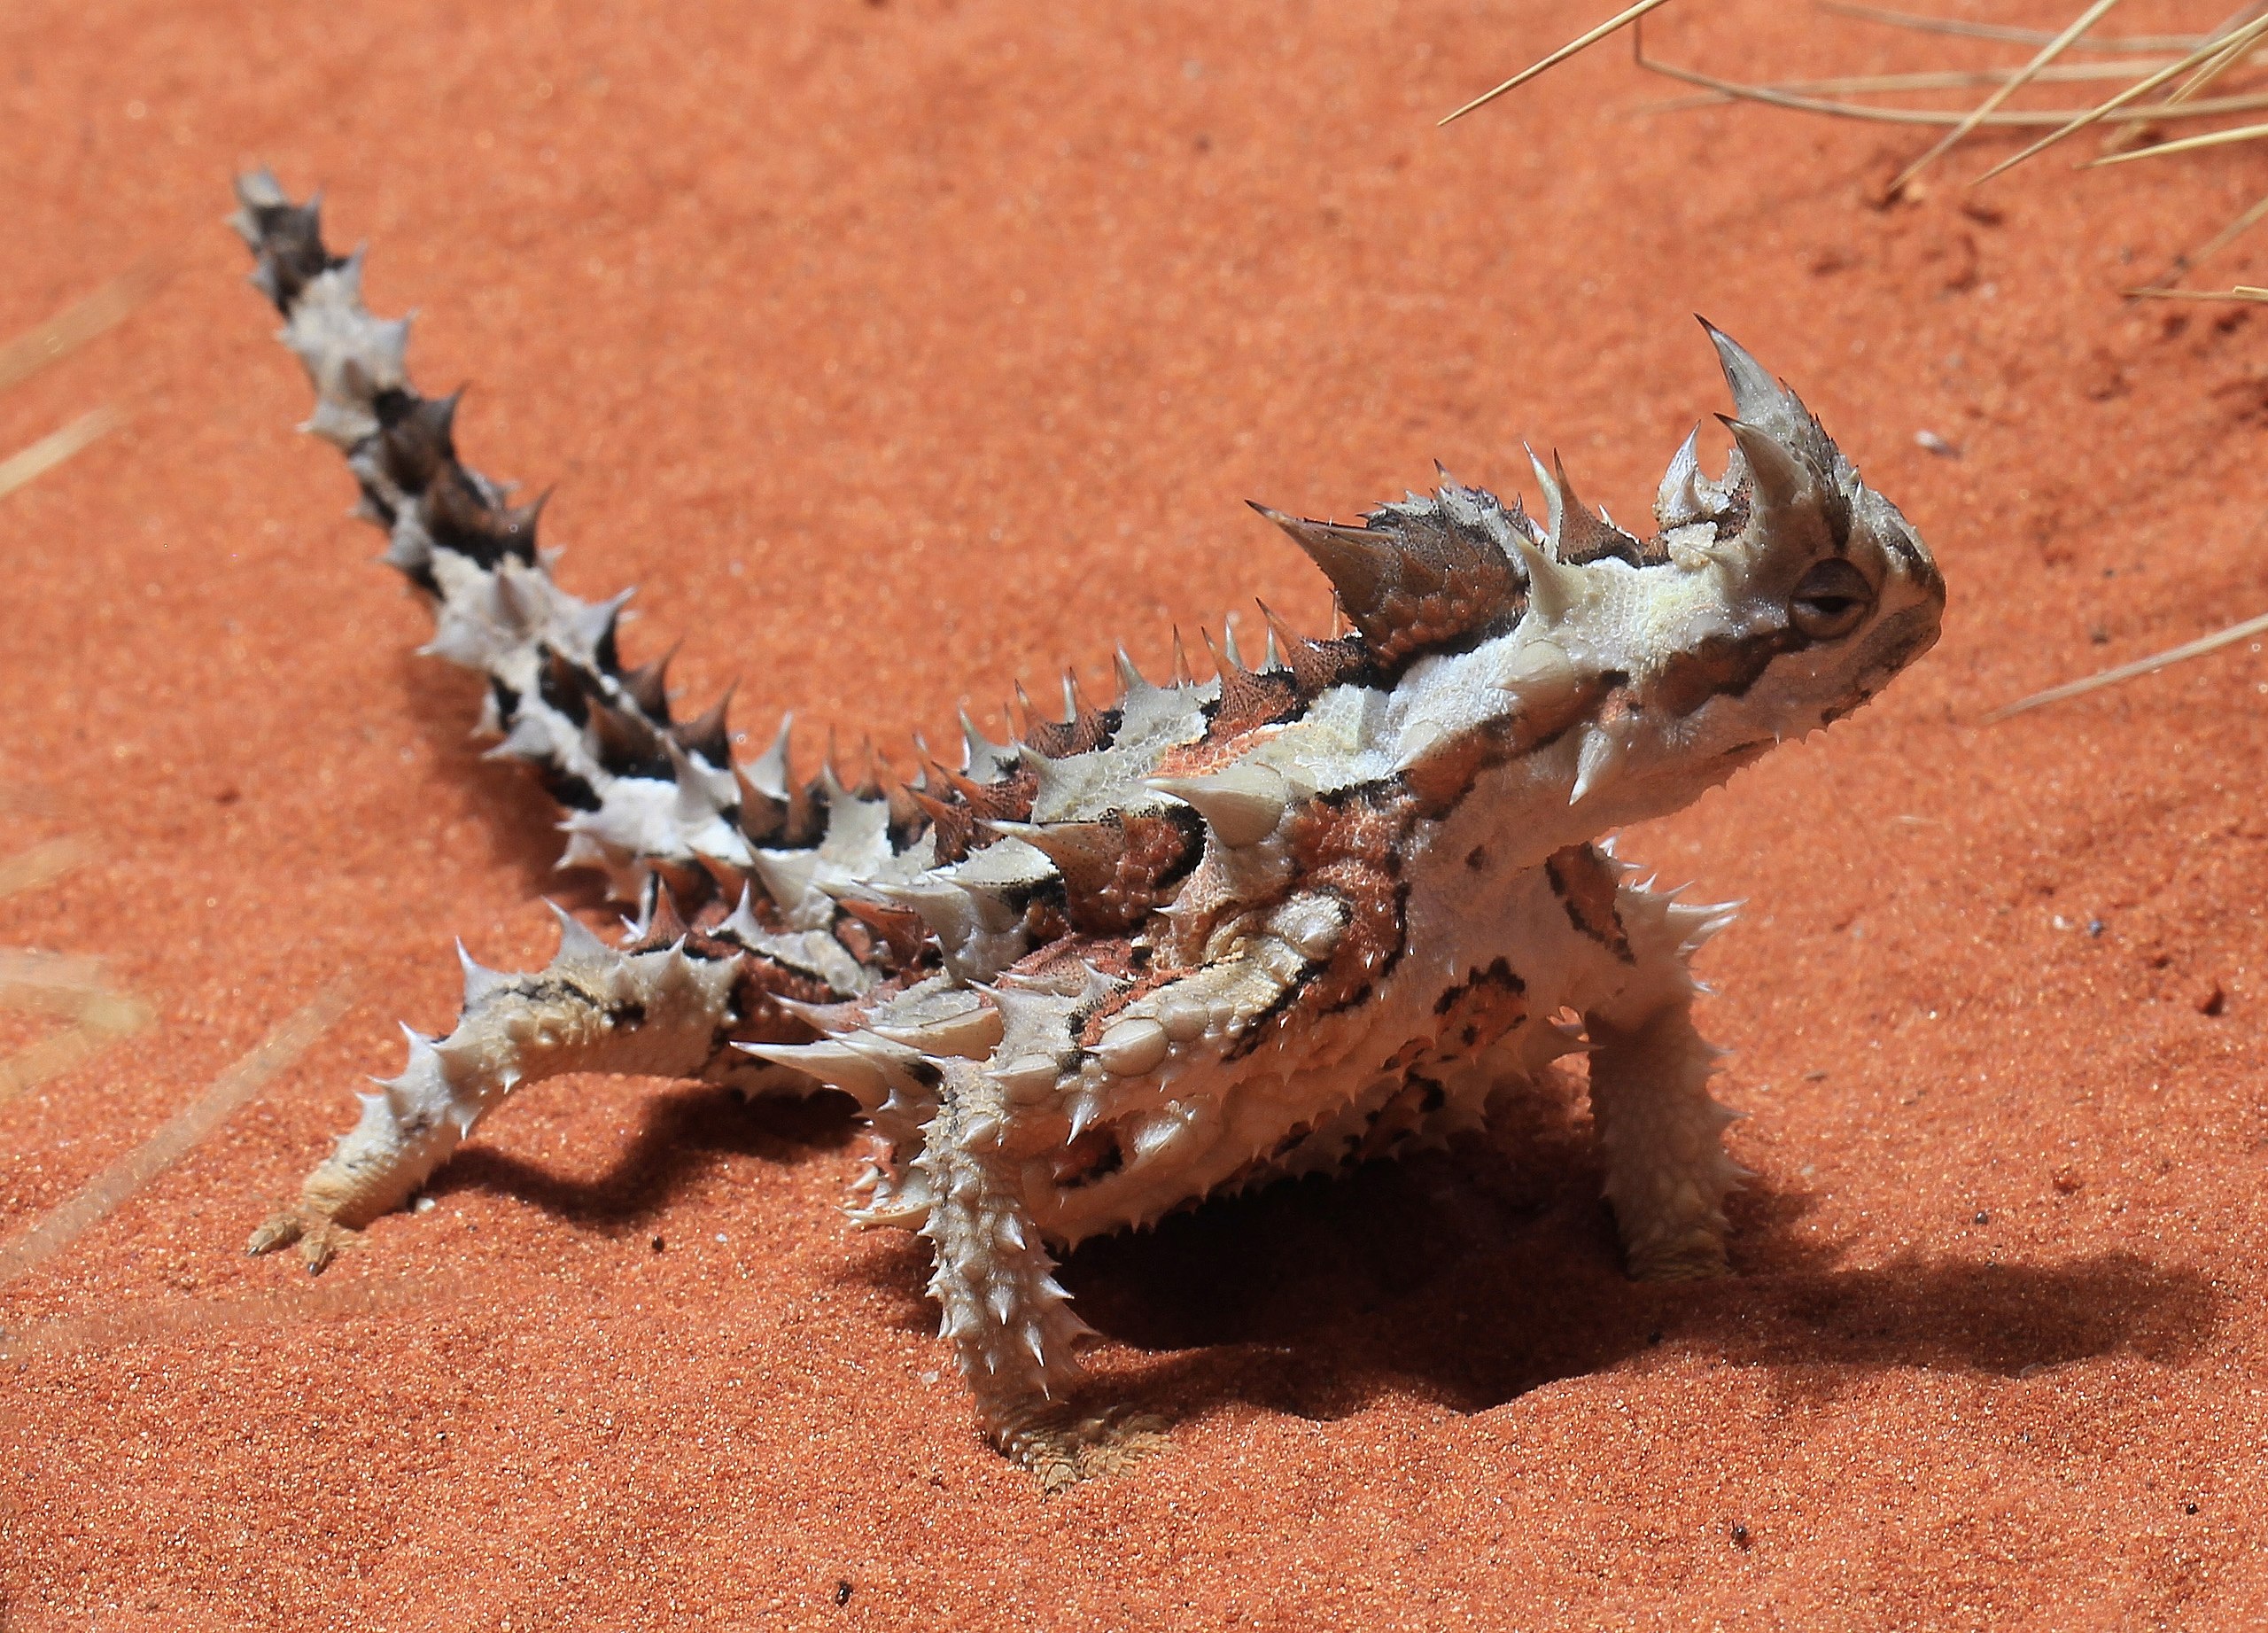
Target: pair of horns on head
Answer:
[[1416, 575]]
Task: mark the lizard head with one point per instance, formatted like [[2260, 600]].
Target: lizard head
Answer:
[[1770, 601]]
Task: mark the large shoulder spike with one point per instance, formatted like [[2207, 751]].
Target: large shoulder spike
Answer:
[[1415, 576], [1085, 853]]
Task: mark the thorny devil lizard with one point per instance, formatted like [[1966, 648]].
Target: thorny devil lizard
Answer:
[[1212, 935]]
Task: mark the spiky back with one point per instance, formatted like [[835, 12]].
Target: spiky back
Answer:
[[1126, 835]]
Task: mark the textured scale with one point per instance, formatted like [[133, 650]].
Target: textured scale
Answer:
[[1207, 936]]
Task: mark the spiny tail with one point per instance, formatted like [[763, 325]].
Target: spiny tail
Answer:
[[642, 793]]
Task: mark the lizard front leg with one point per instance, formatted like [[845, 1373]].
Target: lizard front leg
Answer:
[[1010, 1322], [1659, 1131], [663, 1012]]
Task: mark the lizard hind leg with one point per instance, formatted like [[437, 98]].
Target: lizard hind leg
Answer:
[[661, 1011]]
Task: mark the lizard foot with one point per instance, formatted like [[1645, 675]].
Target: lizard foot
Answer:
[[319, 1235], [1062, 1448], [1699, 1255]]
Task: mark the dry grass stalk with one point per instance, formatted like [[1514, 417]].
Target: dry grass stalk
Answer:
[[1983, 109], [53, 449], [180, 1135], [1573, 48], [2213, 643], [43, 863], [187, 1317], [2141, 45], [73, 327]]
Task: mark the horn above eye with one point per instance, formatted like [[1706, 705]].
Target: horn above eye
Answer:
[[1833, 599]]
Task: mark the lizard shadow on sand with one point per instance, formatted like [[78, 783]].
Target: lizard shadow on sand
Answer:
[[683, 1134], [1474, 1276], [1468, 1276]]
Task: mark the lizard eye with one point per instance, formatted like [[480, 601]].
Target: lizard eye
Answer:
[[1832, 601]]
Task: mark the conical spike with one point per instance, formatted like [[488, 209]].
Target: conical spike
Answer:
[[1313, 667], [1540, 673], [1553, 591], [696, 801], [830, 780], [1577, 536], [1359, 563], [577, 946], [660, 924], [949, 820], [1227, 645], [1080, 729], [594, 625], [1242, 804], [1245, 698], [835, 1064], [707, 734], [1554, 499], [1596, 761], [1131, 682], [1417, 574], [416, 441], [1085, 853], [1757, 397], [648, 687], [480, 982], [741, 926], [767, 774], [820, 1017], [872, 772], [622, 741], [1678, 500], [1181, 674], [1778, 479], [982, 757]]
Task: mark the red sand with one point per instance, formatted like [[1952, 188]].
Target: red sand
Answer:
[[897, 350]]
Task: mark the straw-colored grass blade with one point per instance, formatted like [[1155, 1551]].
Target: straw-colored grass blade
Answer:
[[2182, 144], [2141, 88], [43, 863], [1621, 19], [1999, 119], [53, 449], [2213, 643], [180, 1135], [2130, 44], [1983, 109], [73, 327]]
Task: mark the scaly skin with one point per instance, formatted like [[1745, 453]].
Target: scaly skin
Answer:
[[1214, 934]]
